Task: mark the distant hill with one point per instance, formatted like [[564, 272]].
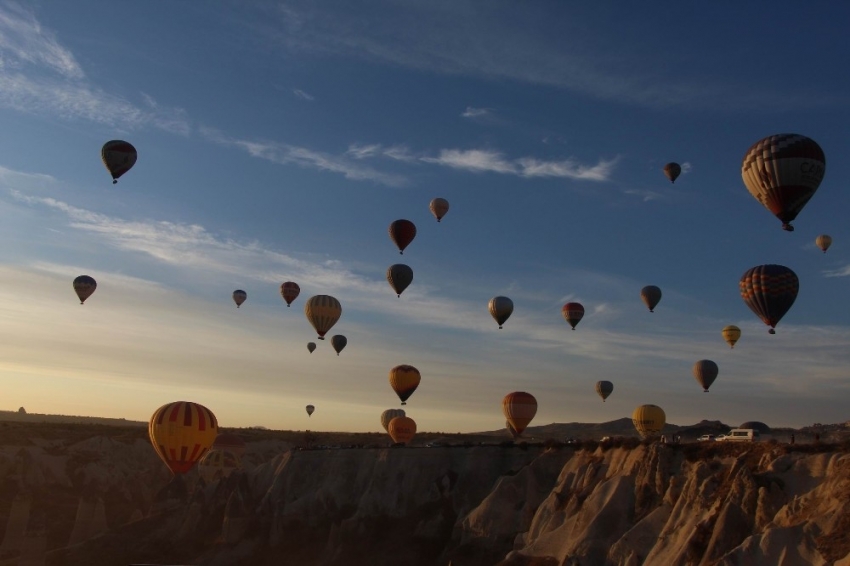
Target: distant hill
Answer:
[[15, 416]]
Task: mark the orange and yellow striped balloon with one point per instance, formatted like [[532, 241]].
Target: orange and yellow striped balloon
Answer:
[[519, 408], [181, 433], [402, 429], [322, 311], [404, 380]]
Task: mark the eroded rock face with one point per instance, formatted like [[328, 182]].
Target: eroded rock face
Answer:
[[464, 506]]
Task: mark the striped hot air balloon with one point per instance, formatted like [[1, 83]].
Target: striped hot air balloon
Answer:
[[500, 309], [439, 207], [322, 311], [399, 276], [573, 313], [239, 297], [181, 433], [782, 172], [649, 420], [604, 389], [731, 334], [404, 380], [769, 290], [705, 372], [289, 291], [519, 408], [402, 429]]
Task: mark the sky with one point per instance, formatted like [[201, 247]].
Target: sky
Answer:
[[277, 141]]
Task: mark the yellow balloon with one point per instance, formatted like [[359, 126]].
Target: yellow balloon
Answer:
[[731, 334], [649, 420], [404, 380], [181, 433], [402, 429], [322, 311], [439, 207], [823, 242]]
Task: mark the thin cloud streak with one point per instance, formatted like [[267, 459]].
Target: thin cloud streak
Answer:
[[480, 161], [24, 41], [472, 112], [303, 95]]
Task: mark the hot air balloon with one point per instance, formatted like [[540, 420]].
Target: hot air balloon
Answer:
[[402, 233], [404, 380], [389, 415], [399, 277], [338, 341], [519, 408], [672, 171], [322, 311], [501, 309], [218, 464], [604, 389], [118, 156], [783, 172], [731, 334], [402, 429], [573, 313], [705, 372], [230, 442], [439, 207], [650, 296], [823, 242], [84, 286], [181, 433], [769, 291], [311, 346], [289, 291], [310, 409], [649, 420], [239, 297]]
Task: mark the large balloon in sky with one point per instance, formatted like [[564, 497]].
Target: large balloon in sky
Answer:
[[402, 429], [439, 207], [604, 389], [783, 172], [311, 346], [731, 334], [500, 309], [181, 433], [399, 277], [338, 341], [649, 420], [84, 286], [402, 233], [573, 313], [823, 242], [218, 464], [672, 171], [239, 297], [389, 415], [705, 372], [310, 409], [289, 291], [769, 291], [404, 380], [650, 296], [118, 156], [322, 311], [519, 408]]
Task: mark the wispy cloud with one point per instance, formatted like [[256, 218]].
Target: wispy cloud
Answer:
[[686, 167], [480, 161], [645, 195], [472, 112], [38, 75], [840, 272], [289, 154], [303, 95]]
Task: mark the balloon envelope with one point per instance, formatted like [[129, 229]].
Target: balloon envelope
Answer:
[[239, 297], [672, 171], [500, 309], [823, 242], [404, 380], [322, 311], [573, 313], [402, 233], [604, 389], [389, 415], [119, 157], [399, 277], [289, 291], [310, 409], [439, 207], [511, 430], [402, 429], [731, 334], [84, 286], [181, 433], [705, 372], [769, 290], [338, 341], [782, 172], [649, 420], [311, 346], [650, 296], [519, 408]]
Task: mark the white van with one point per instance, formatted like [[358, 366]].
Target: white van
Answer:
[[743, 435]]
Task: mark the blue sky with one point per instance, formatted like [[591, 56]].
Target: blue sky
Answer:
[[278, 140]]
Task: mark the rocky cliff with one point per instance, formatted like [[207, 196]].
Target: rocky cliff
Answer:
[[694, 503]]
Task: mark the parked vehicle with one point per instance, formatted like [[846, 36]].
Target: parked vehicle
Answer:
[[743, 435], [720, 437], [706, 437]]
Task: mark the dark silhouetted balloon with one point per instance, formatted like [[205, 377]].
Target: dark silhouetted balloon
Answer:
[[402, 233], [399, 277], [769, 291], [84, 286], [119, 157], [672, 171]]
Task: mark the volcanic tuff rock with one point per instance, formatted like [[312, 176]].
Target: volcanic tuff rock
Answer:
[[695, 503]]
